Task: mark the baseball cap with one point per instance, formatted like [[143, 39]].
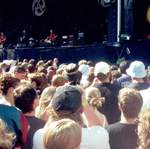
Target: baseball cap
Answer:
[[101, 67], [136, 69], [84, 69], [66, 98]]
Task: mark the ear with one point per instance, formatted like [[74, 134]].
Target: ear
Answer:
[[35, 103], [10, 91], [119, 106]]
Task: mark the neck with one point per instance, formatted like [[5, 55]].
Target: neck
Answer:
[[125, 120], [137, 80], [104, 81], [9, 99]]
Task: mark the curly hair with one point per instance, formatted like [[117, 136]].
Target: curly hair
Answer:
[[40, 80], [144, 129], [6, 138], [93, 97], [7, 81]]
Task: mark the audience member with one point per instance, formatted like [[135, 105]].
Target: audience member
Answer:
[[26, 100], [143, 129], [94, 100], [38, 81], [44, 101], [72, 74], [13, 117], [108, 90], [122, 135], [20, 73], [60, 134], [124, 80], [58, 80], [6, 138], [138, 74], [66, 103]]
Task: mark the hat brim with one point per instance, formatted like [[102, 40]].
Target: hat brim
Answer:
[[134, 75]]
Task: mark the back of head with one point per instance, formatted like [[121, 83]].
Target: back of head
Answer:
[[67, 98], [60, 134], [7, 81], [93, 97], [58, 80], [123, 66], [24, 96], [66, 103], [72, 74], [130, 102], [136, 69], [101, 70], [20, 69]]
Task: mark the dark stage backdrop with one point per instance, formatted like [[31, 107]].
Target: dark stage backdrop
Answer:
[[64, 16], [67, 17]]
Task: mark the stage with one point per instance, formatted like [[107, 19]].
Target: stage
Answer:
[[98, 51]]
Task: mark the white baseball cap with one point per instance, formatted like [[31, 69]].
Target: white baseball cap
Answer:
[[101, 67]]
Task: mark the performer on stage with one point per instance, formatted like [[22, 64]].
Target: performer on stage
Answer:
[[2, 39], [24, 36], [51, 38]]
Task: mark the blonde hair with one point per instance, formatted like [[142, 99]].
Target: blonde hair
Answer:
[[58, 80], [60, 134], [93, 97], [144, 129], [6, 138], [130, 102], [54, 116], [44, 101]]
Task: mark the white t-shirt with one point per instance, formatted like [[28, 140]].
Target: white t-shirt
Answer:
[[146, 97], [94, 137]]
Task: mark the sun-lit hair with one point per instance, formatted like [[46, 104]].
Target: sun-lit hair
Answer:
[[38, 80], [54, 116], [130, 102], [60, 134], [6, 138], [82, 62], [93, 97], [144, 129], [58, 80], [44, 101]]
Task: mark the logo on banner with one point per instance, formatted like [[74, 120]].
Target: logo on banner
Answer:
[[106, 3], [38, 7]]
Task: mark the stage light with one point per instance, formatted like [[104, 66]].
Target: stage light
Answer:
[[148, 14]]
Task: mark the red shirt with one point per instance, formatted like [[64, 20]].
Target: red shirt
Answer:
[[2, 39]]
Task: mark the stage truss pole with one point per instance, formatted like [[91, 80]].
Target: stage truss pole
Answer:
[[118, 20]]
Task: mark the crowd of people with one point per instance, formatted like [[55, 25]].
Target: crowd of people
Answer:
[[84, 105]]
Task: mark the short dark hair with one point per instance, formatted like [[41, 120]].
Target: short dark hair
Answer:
[[123, 66], [20, 69], [72, 74], [24, 96]]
